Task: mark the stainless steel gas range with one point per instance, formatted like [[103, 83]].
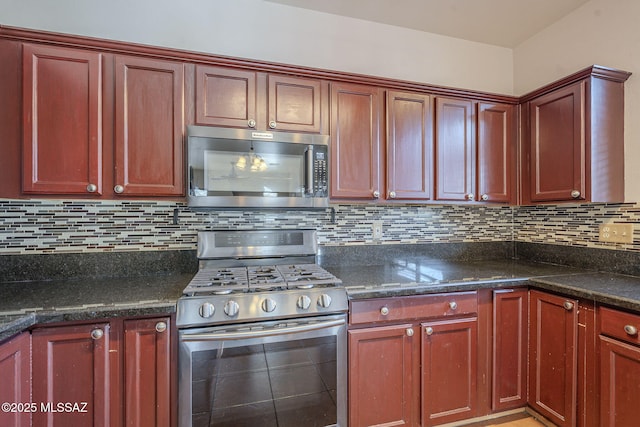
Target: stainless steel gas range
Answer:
[[262, 334]]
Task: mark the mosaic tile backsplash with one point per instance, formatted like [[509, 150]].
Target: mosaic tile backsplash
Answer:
[[53, 226]]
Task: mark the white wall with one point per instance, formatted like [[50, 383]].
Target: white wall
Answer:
[[603, 32], [263, 30]]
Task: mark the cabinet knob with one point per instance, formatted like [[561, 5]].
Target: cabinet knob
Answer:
[[92, 188], [273, 124], [485, 197], [575, 194], [453, 305], [251, 123], [428, 330], [384, 311], [97, 333], [392, 194], [568, 305], [161, 327], [376, 194], [470, 196], [118, 189], [409, 332], [631, 330]]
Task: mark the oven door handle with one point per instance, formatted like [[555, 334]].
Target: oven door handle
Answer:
[[261, 333]]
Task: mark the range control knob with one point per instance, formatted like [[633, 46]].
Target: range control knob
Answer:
[[231, 308], [324, 301], [304, 302], [206, 310], [268, 305]]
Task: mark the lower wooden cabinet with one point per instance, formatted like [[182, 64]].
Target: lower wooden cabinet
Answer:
[[118, 372], [553, 357], [381, 381], [413, 360], [15, 383], [449, 370], [619, 345]]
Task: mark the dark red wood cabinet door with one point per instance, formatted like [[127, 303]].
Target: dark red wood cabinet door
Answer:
[[449, 370], [455, 149], [15, 377], [71, 364], [409, 146], [295, 104], [557, 145], [619, 383], [381, 376], [553, 378], [496, 145], [147, 372], [510, 343], [62, 121], [355, 142], [225, 97], [149, 127]]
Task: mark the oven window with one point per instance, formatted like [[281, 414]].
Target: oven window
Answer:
[[269, 385]]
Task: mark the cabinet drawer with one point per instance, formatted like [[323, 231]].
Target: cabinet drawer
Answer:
[[620, 325], [413, 307]]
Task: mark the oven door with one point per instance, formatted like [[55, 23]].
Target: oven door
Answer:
[[272, 374]]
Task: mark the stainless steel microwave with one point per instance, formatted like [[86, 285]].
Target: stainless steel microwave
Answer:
[[237, 168]]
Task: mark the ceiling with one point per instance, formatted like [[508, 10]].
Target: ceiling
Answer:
[[498, 22]]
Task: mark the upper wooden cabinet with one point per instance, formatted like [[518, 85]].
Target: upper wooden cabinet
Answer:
[[62, 120], [355, 142], [496, 153], [149, 124], [248, 99], [455, 150], [409, 154], [573, 139]]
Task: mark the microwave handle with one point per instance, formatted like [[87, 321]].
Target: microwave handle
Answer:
[[309, 169]]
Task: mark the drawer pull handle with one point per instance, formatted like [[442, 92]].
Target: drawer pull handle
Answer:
[[97, 333], [631, 330], [568, 305], [384, 311], [409, 332], [453, 305], [161, 327], [428, 330]]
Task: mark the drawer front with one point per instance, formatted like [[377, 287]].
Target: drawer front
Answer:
[[620, 325], [413, 307]]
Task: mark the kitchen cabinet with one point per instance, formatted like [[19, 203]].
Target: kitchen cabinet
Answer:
[[449, 370], [496, 153], [509, 349], [15, 371], [455, 150], [248, 99], [381, 377], [413, 355], [355, 142], [619, 346], [72, 364], [147, 372], [61, 120], [149, 125], [553, 357], [573, 139], [409, 146]]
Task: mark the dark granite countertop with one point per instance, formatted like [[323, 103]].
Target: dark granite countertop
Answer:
[[24, 304], [415, 277]]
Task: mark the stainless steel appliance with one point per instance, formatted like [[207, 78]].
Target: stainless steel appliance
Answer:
[[262, 334], [237, 168]]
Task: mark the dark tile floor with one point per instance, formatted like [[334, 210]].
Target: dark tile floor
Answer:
[[270, 385]]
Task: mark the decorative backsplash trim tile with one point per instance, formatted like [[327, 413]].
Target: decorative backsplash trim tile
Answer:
[[54, 226]]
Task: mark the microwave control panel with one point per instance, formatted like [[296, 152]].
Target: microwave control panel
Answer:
[[320, 180]]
